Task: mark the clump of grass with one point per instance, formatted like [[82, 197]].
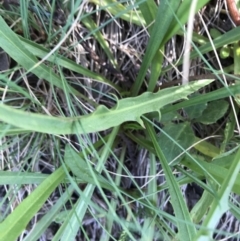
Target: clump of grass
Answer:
[[99, 139]]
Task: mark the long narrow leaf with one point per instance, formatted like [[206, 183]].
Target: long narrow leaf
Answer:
[[128, 109], [164, 18], [220, 204], [17, 221], [185, 227], [46, 220], [11, 44], [41, 52]]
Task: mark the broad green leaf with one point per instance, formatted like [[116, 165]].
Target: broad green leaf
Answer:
[[81, 169], [128, 109], [229, 129], [195, 111], [214, 111], [174, 139], [18, 220], [169, 117]]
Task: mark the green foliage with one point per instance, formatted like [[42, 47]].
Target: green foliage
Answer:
[[214, 111], [81, 169], [17, 221], [186, 229], [91, 127], [174, 139], [128, 109]]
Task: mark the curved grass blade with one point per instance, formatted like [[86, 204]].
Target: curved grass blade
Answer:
[[11, 44], [41, 52]]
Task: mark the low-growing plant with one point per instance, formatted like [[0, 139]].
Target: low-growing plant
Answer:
[[119, 120]]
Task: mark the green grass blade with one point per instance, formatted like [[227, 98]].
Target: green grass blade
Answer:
[[225, 39], [17, 221], [10, 178], [128, 109], [182, 17], [72, 224], [41, 52], [90, 24], [149, 11], [109, 225], [214, 95], [21, 178], [156, 68], [46, 220], [185, 227], [24, 17], [117, 9], [149, 223], [220, 204], [75, 220], [164, 17], [216, 171], [11, 44]]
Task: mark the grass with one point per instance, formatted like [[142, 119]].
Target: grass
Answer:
[[99, 139]]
